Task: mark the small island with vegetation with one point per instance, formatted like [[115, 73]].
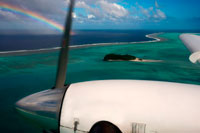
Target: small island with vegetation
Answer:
[[118, 57]]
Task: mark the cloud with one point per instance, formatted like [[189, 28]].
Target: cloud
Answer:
[[74, 15], [160, 14], [156, 4], [87, 11], [146, 11], [82, 4], [8, 15], [113, 9], [101, 11], [151, 13], [90, 16], [50, 9]]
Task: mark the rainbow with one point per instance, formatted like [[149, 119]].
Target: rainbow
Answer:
[[32, 15]]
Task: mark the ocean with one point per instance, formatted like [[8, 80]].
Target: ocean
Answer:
[[22, 75], [80, 37]]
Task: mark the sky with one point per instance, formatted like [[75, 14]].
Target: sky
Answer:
[[104, 14]]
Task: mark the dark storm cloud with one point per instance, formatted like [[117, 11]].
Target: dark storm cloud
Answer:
[[41, 6]]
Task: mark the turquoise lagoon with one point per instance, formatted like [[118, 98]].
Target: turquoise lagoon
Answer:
[[23, 75]]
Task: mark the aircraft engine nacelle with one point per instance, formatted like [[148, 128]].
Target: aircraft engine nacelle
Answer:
[[115, 106]]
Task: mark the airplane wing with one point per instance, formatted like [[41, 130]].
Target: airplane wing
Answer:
[[192, 42]]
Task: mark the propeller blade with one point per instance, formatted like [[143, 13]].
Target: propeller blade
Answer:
[[63, 58]]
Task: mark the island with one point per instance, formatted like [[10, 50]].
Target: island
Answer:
[[118, 57]]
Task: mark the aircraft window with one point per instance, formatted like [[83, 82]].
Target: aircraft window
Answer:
[[148, 40]]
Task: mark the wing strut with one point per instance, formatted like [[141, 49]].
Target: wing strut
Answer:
[[63, 58]]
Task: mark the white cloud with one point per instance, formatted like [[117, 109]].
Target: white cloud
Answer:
[[160, 14], [109, 10], [145, 11], [102, 10], [151, 13], [74, 15], [156, 4], [89, 8], [113, 9], [90, 16], [82, 4]]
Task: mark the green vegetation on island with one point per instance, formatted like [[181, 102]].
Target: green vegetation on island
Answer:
[[117, 57]]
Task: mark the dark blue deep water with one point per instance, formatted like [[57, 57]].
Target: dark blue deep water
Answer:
[[29, 42]]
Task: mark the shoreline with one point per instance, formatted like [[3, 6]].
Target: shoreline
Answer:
[[138, 60], [151, 36], [47, 50], [156, 37]]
